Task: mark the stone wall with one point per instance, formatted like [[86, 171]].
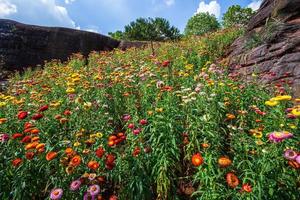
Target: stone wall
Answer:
[[271, 46]]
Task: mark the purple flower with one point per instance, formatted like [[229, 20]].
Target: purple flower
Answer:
[[56, 193], [279, 136], [75, 185], [4, 137], [94, 190], [298, 159], [290, 154], [126, 117]]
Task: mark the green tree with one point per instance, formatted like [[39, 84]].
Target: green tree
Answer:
[[118, 35], [149, 29], [201, 23], [237, 16]]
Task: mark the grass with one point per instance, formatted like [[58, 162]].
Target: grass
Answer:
[[135, 125]]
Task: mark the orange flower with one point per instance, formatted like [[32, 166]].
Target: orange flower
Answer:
[[69, 151], [16, 162], [31, 145], [230, 116], [224, 162], [34, 131], [51, 155], [197, 159], [232, 180], [39, 146], [93, 165], [3, 120], [75, 161]]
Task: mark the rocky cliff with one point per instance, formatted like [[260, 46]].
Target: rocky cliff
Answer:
[[24, 45], [271, 46]]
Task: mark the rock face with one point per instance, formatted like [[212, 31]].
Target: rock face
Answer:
[[271, 46], [24, 45]]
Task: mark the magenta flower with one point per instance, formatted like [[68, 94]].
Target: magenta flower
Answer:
[[56, 193], [94, 190], [126, 117], [75, 185], [279, 136], [290, 154], [137, 131]]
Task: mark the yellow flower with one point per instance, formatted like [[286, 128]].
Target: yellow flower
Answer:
[[70, 90], [159, 109], [87, 105], [2, 104], [257, 134], [189, 67], [271, 103], [296, 112], [76, 144], [55, 104], [259, 142], [150, 112], [292, 126], [99, 135], [281, 98]]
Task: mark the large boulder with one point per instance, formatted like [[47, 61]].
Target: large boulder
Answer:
[[271, 46], [24, 45]]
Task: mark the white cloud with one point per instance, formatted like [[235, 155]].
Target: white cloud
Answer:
[[69, 1], [212, 7], [7, 8], [169, 2], [255, 4], [42, 12]]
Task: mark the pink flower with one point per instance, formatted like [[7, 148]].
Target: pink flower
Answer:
[[279, 136], [298, 159], [290, 154], [56, 194], [75, 185], [94, 190], [4, 137]]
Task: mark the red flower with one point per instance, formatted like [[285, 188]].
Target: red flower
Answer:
[[197, 159], [67, 112], [165, 63], [232, 180], [143, 122], [43, 108], [28, 125], [246, 188], [17, 135], [22, 115], [110, 159], [100, 152], [29, 155], [16, 162], [131, 126], [26, 139], [136, 151], [37, 116]]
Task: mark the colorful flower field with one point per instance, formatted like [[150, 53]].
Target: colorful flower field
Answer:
[[132, 125]]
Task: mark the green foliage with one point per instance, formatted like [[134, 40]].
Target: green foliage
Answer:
[[150, 29], [186, 105], [201, 23], [237, 16], [118, 35]]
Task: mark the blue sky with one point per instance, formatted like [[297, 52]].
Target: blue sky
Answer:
[[104, 16]]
